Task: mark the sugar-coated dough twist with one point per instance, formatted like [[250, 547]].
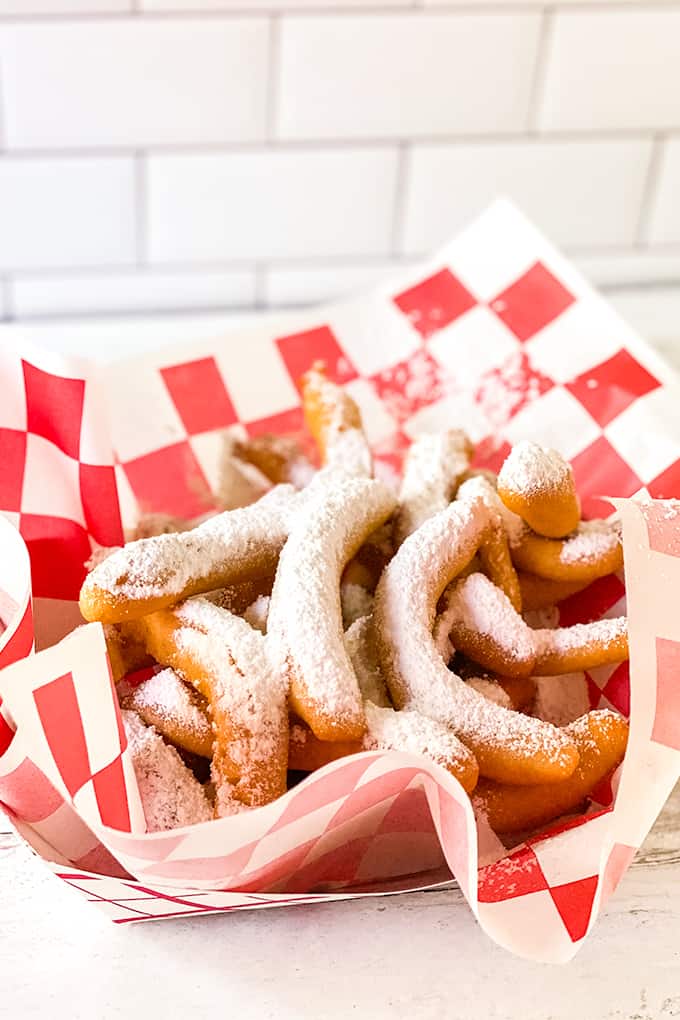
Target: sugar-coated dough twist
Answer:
[[433, 467], [386, 729], [224, 658], [538, 484], [304, 629], [592, 551], [153, 573], [508, 746], [334, 421], [494, 551], [480, 622], [176, 709], [600, 737]]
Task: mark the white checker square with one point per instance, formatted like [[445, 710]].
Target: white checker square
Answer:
[[494, 251], [647, 433], [209, 450], [529, 926], [13, 403], [13, 518], [374, 333], [583, 336], [474, 344], [574, 854], [378, 423], [255, 374], [127, 503], [95, 432], [51, 482], [457, 411], [142, 415], [556, 419]]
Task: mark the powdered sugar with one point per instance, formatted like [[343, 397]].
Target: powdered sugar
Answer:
[[404, 613], [166, 698], [413, 733], [490, 689], [432, 468], [305, 621], [479, 487], [171, 795], [481, 607], [227, 547], [564, 640], [257, 613], [592, 541], [360, 645], [532, 469]]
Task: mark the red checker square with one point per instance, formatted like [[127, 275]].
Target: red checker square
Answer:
[[109, 789], [20, 644], [6, 737], [491, 453], [594, 692], [515, 875], [410, 385], [532, 302], [600, 471], [13, 451], [593, 602], [170, 481], [324, 789], [58, 549], [300, 350], [288, 421], [28, 793], [574, 902], [337, 866], [198, 392], [99, 495], [410, 812], [617, 689], [667, 484], [663, 528], [666, 729], [609, 388], [369, 794], [435, 303], [57, 705], [54, 408]]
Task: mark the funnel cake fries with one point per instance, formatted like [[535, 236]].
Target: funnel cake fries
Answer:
[[305, 616], [480, 622], [600, 738], [433, 468], [153, 573], [334, 421], [224, 658], [508, 746], [538, 485], [245, 614]]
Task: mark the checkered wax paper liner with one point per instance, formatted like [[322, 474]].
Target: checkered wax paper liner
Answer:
[[497, 334]]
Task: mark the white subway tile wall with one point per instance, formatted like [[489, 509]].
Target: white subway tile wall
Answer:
[[194, 155]]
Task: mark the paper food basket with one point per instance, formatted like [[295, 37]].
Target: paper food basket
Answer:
[[497, 334]]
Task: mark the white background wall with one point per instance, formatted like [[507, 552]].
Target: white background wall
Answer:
[[205, 154]]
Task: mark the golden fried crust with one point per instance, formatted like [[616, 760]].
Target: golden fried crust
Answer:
[[600, 737]]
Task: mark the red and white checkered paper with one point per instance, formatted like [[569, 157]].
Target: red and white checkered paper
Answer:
[[497, 334]]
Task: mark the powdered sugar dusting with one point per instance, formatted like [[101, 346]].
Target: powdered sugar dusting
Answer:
[[360, 645], [532, 469], [432, 469], [490, 689], [257, 613], [413, 733], [170, 700], [356, 602], [404, 613], [171, 795], [592, 541], [564, 640], [167, 564], [481, 607]]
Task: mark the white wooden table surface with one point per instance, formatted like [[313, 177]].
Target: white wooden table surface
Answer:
[[419, 956]]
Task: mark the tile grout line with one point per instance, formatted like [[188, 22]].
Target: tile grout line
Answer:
[[140, 208], [540, 71], [273, 78], [649, 192]]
